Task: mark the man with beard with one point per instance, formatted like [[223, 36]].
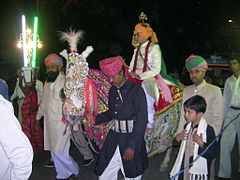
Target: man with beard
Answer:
[[56, 134], [197, 66]]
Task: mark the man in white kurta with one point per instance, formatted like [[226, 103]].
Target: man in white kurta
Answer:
[[16, 152], [197, 67], [231, 111], [56, 133]]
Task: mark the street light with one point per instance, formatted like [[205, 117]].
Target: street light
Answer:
[[29, 41]]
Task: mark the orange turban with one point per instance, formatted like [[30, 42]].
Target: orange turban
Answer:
[[145, 32]]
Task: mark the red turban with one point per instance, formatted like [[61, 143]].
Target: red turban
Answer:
[[111, 66]]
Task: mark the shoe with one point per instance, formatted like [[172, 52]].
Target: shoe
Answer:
[[87, 162], [49, 164]]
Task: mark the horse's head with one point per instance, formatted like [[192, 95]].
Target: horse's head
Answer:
[[76, 74], [74, 101]]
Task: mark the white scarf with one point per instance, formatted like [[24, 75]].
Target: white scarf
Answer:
[[199, 167]]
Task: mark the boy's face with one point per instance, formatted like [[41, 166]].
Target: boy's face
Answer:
[[191, 115], [234, 65], [139, 39]]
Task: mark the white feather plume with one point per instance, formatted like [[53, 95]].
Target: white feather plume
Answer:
[[72, 37]]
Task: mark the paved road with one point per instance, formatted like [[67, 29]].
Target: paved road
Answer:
[[86, 173]]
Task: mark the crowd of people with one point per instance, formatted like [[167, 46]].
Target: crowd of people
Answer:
[[135, 91]]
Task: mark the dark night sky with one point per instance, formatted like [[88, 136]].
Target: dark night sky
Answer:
[[183, 27]]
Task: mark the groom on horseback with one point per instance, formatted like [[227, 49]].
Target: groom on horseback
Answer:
[[145, 67]]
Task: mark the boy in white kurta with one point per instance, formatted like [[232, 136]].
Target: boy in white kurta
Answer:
[[195, 137], [145, 66]]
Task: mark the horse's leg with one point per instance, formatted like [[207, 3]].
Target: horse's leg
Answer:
[[164, 164]]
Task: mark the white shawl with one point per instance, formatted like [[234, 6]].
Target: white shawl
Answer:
[[199, 167]]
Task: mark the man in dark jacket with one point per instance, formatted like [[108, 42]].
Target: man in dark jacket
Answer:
[[124, 146]]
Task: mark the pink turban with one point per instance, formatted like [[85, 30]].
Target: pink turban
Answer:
[[53, 59], [111, 66]]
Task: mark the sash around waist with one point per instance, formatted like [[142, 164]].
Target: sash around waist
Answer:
[[123, 126]]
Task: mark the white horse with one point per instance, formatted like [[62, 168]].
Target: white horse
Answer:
[[86, 94]]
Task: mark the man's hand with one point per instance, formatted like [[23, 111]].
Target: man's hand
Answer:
[[198, 139], [149, 131], [181, 136], [128, 154], [136, 76]]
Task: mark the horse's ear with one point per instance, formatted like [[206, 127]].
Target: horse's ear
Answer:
[[64, 54], [87, 51]]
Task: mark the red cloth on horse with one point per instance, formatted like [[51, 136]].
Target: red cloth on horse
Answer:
[[29, 111], [163, 105]]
